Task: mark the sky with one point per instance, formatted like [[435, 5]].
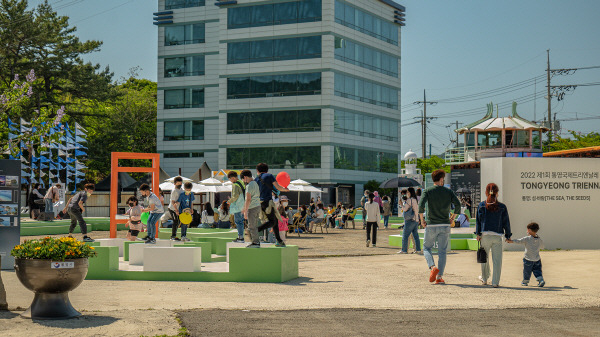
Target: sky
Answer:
[[489, 51]]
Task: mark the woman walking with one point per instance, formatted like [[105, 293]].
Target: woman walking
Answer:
[[373, 218], [410, 210], [492, 224], [387, 211]]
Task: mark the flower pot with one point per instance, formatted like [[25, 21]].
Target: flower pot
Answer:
[[51, 281]]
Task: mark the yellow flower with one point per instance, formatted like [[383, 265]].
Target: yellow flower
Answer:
[[92, 248], [18, 247], [38, 248]]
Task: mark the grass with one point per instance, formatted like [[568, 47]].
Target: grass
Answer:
[[182, 332]]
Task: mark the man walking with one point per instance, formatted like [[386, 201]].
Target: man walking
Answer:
[[156, 209], [236, 203], [266, 182], [437, 224], [174, 207], [52, 196], [363, 203], [251, 209], [76, 210]]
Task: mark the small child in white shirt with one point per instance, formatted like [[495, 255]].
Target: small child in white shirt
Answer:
[[532, 261]]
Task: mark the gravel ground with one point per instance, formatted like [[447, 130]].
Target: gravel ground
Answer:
[[336, 290], [364, 322]]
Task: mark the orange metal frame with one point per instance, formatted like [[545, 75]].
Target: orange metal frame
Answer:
[[115, 170]]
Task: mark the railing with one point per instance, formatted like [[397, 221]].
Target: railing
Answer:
[[458, 155]]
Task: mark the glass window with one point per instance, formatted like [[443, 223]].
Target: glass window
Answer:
[[176, 4], [278, 157], [176, 155], [471, 139], [309, 47], [175, 67], [275, 85], [197, 66], [238, 87], [309, 10], [239, 17], [261, 51], [197, 33], [262, 15], [536, 138], [523, 138], [238, 52], [286, 12], [274, 121], [365, 160], [174, 98], [175, 130], [174, 35], [286, 49], [365, 126], [197, 98], [367, 23]]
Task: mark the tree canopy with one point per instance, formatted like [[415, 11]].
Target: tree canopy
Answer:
[[577, 141]]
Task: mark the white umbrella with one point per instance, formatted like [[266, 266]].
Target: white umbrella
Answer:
[[167, 186], [212, 185], [172, 179], [300, 185], [211, 182]]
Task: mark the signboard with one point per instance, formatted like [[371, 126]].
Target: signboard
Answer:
[[10, 206], [560, 194], [469, 180]]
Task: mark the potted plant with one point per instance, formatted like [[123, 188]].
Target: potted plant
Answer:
[[51, 267]]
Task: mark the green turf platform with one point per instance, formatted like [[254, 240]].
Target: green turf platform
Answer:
[[268, 264], [457, 241], [57, 227]]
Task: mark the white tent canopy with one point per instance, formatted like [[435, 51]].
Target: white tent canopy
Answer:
[[172, 179], [300, 185]]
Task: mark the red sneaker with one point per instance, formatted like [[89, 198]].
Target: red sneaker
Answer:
[[433, 274], [440, 281]]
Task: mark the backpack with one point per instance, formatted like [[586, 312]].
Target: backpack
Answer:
[[239, 183]]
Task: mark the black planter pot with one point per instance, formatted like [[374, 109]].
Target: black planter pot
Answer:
[[51, 286]]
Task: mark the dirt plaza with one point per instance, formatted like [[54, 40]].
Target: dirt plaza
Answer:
[[341, 280]]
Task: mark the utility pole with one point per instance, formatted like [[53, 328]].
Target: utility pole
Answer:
[[549, 98], [424, 122], [457, 133], [534, 98]]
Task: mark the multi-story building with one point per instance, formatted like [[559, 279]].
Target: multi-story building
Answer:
[[311, 87]]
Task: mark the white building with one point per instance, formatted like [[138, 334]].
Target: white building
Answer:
[[311, 87]]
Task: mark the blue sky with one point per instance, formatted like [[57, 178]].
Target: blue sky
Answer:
[[450, 48]]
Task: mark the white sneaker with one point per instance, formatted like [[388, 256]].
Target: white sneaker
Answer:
[[368, 242], [484, 282], [401, 252], [185, 239]]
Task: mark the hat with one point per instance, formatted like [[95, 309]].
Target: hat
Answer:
[[283, 197]]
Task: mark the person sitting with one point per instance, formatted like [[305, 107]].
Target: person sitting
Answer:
[[224, 215], [195, 219], [208, 216], [319, 216], [341, 217]]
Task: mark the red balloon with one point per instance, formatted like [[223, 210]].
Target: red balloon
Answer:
[[283, 179]]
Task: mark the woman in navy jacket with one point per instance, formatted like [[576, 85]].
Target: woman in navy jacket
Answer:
[[492, 225]]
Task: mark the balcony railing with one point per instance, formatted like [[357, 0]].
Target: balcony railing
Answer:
[[459, 155]]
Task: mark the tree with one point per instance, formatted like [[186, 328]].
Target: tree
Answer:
[[37, 134], [126, 125], [577, 141], [431, 164], [42, 40]]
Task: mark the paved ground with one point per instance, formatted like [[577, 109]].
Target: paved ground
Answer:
[[341, 287], [365, 322]]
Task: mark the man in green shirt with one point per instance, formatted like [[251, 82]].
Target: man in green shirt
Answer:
[[437, 223]]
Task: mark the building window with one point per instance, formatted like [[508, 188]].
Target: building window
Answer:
[[274, 50], [365, 91], [365, 57], [274, 121], [365, 126], [184, 98], [346, 158], [184, 155], [184, 66], [183, 130], [184, 34], [365, 22], [274, 85], [277, 157], [176, 4], [274, 14]]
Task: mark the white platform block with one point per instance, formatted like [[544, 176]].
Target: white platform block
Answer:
[[116, 242], [136, 254], [242, 245], [174, 259]]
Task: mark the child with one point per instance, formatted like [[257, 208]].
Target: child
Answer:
[[342, 217], [283, 223], [135, 216], [532, 261], [185, 206]]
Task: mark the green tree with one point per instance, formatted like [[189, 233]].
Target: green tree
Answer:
[[577, 141], [126, 125], [42, 40], [431, 164]]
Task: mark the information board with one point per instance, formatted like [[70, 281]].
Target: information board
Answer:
[[10, 206]]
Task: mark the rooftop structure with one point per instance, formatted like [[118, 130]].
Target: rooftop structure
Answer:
[[491, 136]]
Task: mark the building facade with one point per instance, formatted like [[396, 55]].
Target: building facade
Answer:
[[311, 87]]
